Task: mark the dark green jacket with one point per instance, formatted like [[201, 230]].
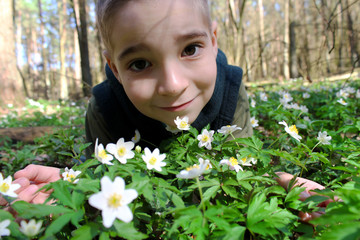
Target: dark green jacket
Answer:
[[111, 115]]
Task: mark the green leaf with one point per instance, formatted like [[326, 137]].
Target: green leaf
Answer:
[[27, 210], [89, 231], [346, 231], [236, 232], [128, 231], [178, 202], [266, 218], [58, 224], [88, 185], [210, 192]]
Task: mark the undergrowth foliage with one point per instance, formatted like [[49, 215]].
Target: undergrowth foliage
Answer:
[[203, 185]]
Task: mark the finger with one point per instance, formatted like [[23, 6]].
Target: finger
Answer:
[[39, 174], [40, 198], [29, 193], [306, 217]]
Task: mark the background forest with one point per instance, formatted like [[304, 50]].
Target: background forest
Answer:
[[52, 49]]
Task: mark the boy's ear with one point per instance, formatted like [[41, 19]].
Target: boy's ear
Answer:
[[111, 65], [214, 36]]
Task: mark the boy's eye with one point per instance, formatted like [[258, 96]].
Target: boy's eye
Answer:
[[139, 65], [190, 50]]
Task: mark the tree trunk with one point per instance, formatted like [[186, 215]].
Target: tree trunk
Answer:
[[11, 89], [62, 10], [294, 73], [84, 49], [286, 41], [340, 63], [43, 54], [262, 39], [355, 62]]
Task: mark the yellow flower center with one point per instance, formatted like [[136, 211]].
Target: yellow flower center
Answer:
[[228, 126], [114, 200], [293, 129], [252, 121], [183, 124], [192, 167], [205, 138], [4, 187], [71, 177], [152, 160], [243, 160], [102, 154], [233, 161], [121, 151]]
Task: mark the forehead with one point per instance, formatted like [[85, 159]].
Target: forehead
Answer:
[[141, 19]]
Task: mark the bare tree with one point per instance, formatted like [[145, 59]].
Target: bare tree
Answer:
[[11, 90], [62, 10], [286, 40], [43, 50], [261, 39], [81, 27]]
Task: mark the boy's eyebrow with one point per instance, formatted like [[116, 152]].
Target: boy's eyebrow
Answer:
[[144, 47], [191, 35], [132, 49]]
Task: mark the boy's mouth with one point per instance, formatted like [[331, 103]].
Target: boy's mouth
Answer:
[[178, 107]]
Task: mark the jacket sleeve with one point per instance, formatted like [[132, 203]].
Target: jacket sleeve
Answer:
[[242, 115], [95, 127]]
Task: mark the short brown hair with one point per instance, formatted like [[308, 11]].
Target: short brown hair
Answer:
[[107, 9]]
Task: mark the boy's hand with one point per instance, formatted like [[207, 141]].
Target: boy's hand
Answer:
[[31, 179], [284, 180]]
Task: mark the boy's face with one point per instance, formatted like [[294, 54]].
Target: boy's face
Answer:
[[164, 55]]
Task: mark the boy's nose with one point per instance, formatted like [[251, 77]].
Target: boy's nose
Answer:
[[172, 81]]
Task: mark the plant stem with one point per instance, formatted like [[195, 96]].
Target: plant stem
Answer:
[[201, 200], [302, 169]]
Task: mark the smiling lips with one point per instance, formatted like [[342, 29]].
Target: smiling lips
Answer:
[[177, 108]]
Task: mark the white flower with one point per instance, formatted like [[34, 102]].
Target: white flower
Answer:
[[7, 188], [226, 130], [342, 93], [358, 93], [70, 175], [195, 170], [137, 137], [285, 103], [171, 129], [294, 106], [292, 130], [263, 97], [287, 97], [138, 149], [324, 138], [306, 95], [342, 102], [254, 122], [232, 163], [102, 155], [306, 118], [154, 159], [247, 161], [252, 103], [31, 228], [205, 138], [113, 200], [122, 150], [3, 228], [304, 109], [182, 123]]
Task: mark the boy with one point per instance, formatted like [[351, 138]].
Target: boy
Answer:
[[163, 62]]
